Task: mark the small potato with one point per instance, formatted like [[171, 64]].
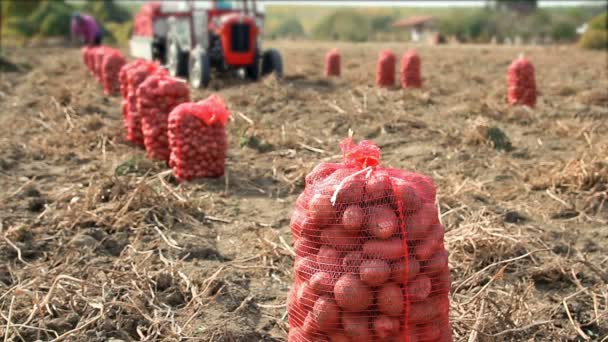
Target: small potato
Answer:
[[352, 294], [428, 310], [398, 270], [320, 172], [310, 327], [419, 288], [384, 249], [418, 224], [340, 239], [322, 283], [356, 326], [329, 259], [326, 314], [382, 222], [353, 218], [305, 267], [425, 248], [306, 297], [304, 246], [351, 191], [385, 326], [390, 299], [436, 263], [374, 272], [423, 185], [406, 196], [320, 210], [377, 187], [351, 261]]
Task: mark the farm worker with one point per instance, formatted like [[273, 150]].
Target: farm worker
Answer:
[[85, 29]]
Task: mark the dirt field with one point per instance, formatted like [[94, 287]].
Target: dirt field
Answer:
[[99, 243]]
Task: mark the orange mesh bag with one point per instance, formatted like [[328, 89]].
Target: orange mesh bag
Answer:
[[385, 69], [197, 138], [332, 63], [135, 76], [410, 70], [370, 261], [112, 62], [521, 83], [98, 56], [156, 98]]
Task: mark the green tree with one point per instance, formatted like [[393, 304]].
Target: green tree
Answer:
[[289, 27], [343, 25]]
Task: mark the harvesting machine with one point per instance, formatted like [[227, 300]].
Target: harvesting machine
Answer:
[[194, 38]]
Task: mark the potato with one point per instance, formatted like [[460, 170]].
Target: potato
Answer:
[[320, 172], [406, 196], [384, 249], [437, 262], [305, 267], [356, 326], [390, 299], [351, 261], [428, 310], [423, 186], [329, 259], [326, 314], [352, 294], [310, 327], [385, 326], [306, 297], [320, 210], [304, 246], [322, 283], [353, 218], [382, 222], [419, 288], [418, 224], [377, 187], [425, 248], [349, 191], [398, 270], [340, 239], [374, 272]]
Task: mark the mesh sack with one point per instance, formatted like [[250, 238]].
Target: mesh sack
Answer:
[[156, 98], [370, 261], [521, 83], [98, 56], [90, 59], [410, 70], [332, 63], [135, 76], [197, 138], [112, 62], [385, 69]]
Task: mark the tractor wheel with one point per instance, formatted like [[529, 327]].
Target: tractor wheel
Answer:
[[177, 60], [253, 71], [199, 72], [272, 62]]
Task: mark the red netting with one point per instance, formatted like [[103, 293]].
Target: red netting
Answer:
[[98, 56], [110, 68], [156, 98], [136, 74], [370, 261], [90, 59], [521, 83], [332, 63], [197, 138], [385, 71], [410, 70]]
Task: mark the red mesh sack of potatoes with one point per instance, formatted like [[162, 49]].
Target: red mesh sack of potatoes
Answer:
[[521, 83], [90, 58], [410, 70], [156, 98], [112, 62], [135, 76], [332, 63], [370, 262], [197, 138], [98, 56], [385, 69]]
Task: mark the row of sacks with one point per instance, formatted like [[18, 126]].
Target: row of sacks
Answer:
[[159, 116], [520, 75]]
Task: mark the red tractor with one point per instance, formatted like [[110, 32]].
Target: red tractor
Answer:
[[192, 38]]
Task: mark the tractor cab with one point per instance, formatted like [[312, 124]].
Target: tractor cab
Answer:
[[192, 38]]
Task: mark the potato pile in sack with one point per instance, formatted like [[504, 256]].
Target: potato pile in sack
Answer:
[[332, 63], [110, 69], [135, 76], [124, 87], [197, 138], [385, 69], [156, 98], [98, 55], [410, 70], [370, 262], [521, 83], [90, 59]]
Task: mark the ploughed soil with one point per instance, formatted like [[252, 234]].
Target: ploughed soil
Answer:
[[98, 242]]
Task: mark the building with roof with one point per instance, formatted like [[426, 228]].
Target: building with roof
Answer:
[[421, 27]]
